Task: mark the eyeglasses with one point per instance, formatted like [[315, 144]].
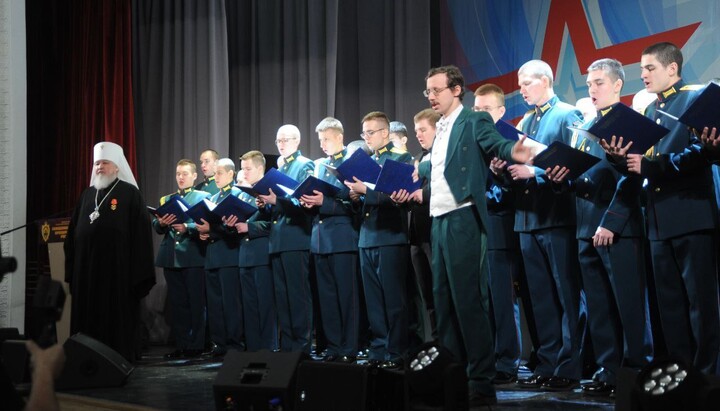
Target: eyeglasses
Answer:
[[369, 133], [283, 140], [435, 91], [485, 108]]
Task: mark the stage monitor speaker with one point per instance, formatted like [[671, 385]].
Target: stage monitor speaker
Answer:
[[256, 381], [92, 364], [331, 386]]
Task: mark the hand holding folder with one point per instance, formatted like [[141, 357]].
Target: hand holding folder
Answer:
[[203, 211], [395, 176], [358, 165], [232, 205], [560, 154], [176, 206], [309, 186], [271, 180], [623, 121]]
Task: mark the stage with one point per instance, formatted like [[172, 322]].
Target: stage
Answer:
[[158, 384]]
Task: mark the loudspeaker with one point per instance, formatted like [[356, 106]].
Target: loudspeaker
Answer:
[[256, 381], [92, 364], [331, 386]]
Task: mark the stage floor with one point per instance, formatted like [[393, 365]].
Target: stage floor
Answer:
[[188, 385]]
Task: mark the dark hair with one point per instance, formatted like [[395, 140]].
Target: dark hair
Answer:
[[454, 77], [666, 53]]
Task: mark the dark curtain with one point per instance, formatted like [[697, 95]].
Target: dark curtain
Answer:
[[79, 93], [226, 74]]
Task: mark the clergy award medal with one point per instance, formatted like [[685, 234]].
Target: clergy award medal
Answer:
[[95, 214]]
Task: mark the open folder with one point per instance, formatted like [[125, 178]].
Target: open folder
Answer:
[[358, 165], [561, 154], [232, 205], [623, 121], [703, 112], [270, 180], [174, 205], [309, 185], [395, 176]]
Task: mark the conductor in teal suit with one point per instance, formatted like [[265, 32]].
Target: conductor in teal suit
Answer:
[[465, 142]]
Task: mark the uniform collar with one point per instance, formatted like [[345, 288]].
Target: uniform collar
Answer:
[[540, 110], [384, 149], [292, 157], [338, 156], [669, 92], [227, 187], [183, 192], [603, 111]]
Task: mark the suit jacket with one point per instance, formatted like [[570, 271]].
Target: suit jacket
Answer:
[[501, 218], [601, 199], [208, 185], [254, 244], [223, 244], [420, 221], [383, 222], [473, 142], [678, 173], [538, 205], [334, 229], [291, 222], [181, 250]]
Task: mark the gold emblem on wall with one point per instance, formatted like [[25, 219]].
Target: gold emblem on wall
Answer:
[[45, 231]]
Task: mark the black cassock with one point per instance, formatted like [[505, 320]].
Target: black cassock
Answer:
[[109, 265]]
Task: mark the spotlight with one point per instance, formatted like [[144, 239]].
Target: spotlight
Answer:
[[435, 381], [665, 385]]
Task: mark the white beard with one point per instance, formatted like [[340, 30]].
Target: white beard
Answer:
[[103, 181]]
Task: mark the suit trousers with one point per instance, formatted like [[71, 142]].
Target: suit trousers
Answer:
[[291, 270], [505, 266], [686, 284], [258, 301], [338, 298], [460, 289], [618, 313], [186, 297], [553, 275], [225, 315]]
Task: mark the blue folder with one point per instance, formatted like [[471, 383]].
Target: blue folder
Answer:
[[270, 180], [395, 176], [623, 121], [232, 205], [358, 165], [704, 111], [507, 130], [174, 205], [203, 211], [310, 184], [561, 154]]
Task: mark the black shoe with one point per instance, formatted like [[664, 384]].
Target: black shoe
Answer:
[[192, 353], [504, 378], [345, 359], [534, 382], [598, 388], [392, 364], [215, 351], [560, 384], [477, 399], [178, 353]]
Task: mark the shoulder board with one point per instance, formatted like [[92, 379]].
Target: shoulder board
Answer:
[[165, 198], [691, 87]]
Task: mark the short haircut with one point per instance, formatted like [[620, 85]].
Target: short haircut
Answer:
[[494, 89], [537, 69], [612, 67], [330, 123], [454, 77], [398, 128], [428, 114], [257, 158], [212, 152], [227, 164], [666, 53], [378, 116], [289, 130], [186, 162]]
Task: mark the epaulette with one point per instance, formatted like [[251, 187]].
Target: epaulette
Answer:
[[165, 198], [691, 87]]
